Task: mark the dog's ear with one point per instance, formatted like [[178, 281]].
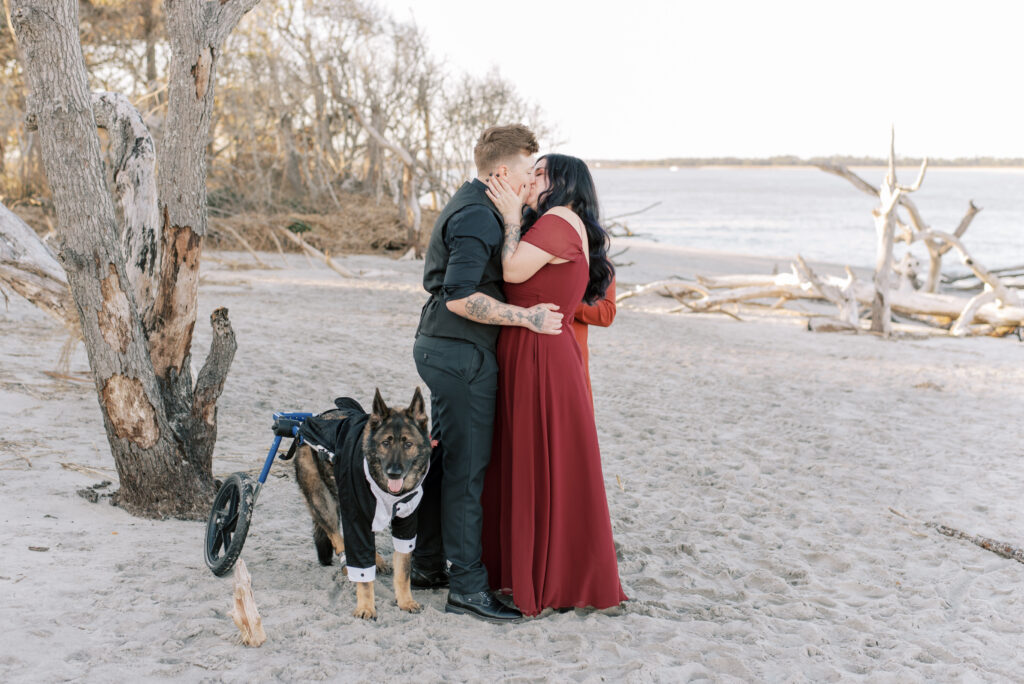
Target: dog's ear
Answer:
[[418, 410], [380, 409]]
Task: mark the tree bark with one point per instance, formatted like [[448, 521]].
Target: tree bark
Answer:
[[134, 154], [196, 29]]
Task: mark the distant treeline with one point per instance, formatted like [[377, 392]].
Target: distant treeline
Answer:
[[790, 160]]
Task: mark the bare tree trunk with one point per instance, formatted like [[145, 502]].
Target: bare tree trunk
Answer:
[[161, 431], [148, 10], [411, 214], [196, 30], [292, 174], [373, 178]]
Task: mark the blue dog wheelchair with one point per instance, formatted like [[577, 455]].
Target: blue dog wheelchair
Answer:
[[233, 506]]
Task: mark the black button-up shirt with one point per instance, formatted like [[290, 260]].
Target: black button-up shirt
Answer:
[[463, 257]]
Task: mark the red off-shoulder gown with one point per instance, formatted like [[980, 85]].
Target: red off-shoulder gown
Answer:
[[547, 534]]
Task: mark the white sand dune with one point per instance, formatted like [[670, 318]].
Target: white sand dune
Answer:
[[757, 462]]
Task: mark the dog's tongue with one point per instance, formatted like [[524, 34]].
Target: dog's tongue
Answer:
[[394, 486]]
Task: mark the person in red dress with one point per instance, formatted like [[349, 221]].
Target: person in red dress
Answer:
[[547, 534], [601, 313]]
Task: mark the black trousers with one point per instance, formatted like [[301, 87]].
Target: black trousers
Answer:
[[463, 382]]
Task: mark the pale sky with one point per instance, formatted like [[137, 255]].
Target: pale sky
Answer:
[[647, 79]]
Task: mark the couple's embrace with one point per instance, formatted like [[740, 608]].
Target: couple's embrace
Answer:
[[515, 497]]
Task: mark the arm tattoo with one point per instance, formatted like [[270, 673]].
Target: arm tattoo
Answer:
[[512, 235], [478, 307], [484, 309], [536, 318]]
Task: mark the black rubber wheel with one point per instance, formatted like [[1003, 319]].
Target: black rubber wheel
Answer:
[[229, 523]]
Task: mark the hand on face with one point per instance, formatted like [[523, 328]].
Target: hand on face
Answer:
[[507, 199]]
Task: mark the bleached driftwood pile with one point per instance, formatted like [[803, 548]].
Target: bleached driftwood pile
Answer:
[[997, 310]]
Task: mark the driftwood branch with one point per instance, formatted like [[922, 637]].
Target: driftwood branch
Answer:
[[844, 297], [29, 268], [313, 251], [962, 325], [244, 243], [890, 195], [1005, 296], [641, 289], [857, 181], [965, 222], [244, 612], [710, 293], [634, 213], [997, 547], [920, 179]]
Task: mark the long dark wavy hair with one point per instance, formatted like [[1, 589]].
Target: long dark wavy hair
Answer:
[[570, 184]]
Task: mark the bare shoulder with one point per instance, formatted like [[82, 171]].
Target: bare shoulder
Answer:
[[573, 219], [567, 215]]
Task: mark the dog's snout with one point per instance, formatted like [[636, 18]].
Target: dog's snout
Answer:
[[393, 470]]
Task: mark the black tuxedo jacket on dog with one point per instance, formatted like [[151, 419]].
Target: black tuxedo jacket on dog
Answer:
[[363, 506]]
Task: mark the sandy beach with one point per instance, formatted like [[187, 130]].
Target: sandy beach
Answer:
[[750, 470]]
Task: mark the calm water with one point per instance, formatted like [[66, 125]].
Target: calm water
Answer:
[[779, 212]]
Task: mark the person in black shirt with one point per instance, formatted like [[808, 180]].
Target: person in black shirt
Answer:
[[454, 354]]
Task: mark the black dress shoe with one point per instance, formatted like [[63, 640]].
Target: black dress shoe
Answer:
[[482, 604], [428, 579]]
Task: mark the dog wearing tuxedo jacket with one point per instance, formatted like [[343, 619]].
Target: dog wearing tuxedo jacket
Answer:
[[373, 479]]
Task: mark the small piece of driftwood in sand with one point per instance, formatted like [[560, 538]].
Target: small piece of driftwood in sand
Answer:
[[82, 469], [244, 612], [826, 324], [997, 547], [310, 250]]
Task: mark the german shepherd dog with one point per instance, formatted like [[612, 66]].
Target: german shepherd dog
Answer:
[[396, 446]]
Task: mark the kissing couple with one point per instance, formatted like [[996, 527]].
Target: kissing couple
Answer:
[[514, 517]]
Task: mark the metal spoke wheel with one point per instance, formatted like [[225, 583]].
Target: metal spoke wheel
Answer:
[[229, 523]]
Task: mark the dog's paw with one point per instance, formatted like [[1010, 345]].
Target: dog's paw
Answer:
[[410, 606], [382, 565], [365, 613]]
